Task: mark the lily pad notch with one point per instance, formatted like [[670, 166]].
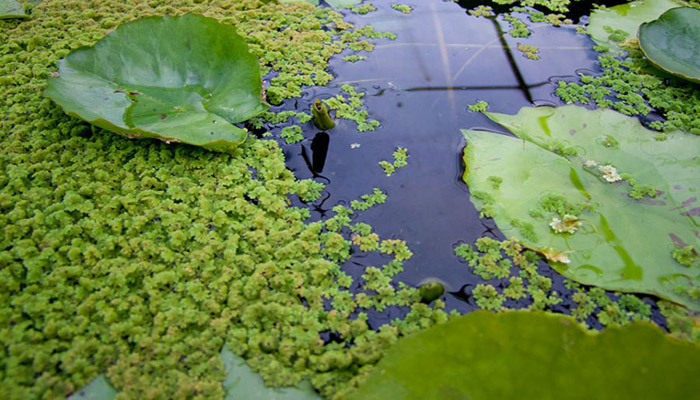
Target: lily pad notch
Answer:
[[185, 79]]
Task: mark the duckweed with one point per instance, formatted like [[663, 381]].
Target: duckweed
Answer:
[[626, 85], [508, 265], [400, 161], [529, 51], [403, 8], [354, 58], [292, 134], [347, 108], [480, 106], [364, 8]]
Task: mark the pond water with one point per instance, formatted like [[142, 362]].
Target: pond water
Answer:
[[419, 86]]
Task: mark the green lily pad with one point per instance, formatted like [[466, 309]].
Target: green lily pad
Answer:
[[98, 389], [672, 42], [181, 79], [242, 383], [10, 9], [596, 188], [528, 355], [608, 26], [312, 2], [337, 4]]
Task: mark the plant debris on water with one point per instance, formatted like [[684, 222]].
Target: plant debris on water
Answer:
[[146, 269]]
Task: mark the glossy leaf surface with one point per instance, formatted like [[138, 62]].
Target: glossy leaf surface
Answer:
[[178, 79], [532, 355], [625, 18], [672, 42], [11, 9], [242, 383], [98, 389], [618, 242]]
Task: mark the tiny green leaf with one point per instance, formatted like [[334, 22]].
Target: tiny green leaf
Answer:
[[533, 355], [181, 79], [672, 42]]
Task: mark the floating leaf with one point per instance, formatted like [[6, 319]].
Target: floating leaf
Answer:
[[312, 2], [564, 167], [672, 42], [532, 355], [609, 26], [242, 383], [98, 389], [10, 9], [337, 4], [178, 79]]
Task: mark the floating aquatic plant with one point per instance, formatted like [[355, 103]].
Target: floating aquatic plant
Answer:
[[609, 27], [242, 382], [10, 9], [98, 389], [185, 79], [672, 42], [596, 189], [510, 355]]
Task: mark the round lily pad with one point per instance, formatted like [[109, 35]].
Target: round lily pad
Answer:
[[533, 355], [672, 42], [181, 79]]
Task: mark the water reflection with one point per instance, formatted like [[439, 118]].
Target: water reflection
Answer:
[[419, 87]]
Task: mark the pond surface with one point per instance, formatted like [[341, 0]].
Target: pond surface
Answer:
[[419, 86]]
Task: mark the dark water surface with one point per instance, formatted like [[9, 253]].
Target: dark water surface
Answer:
[[418, 87]]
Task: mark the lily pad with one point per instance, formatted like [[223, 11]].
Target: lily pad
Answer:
[[242, 383], [98, 389], [672, 42], [181, 79], [337, 4], [312, 2], [609, 26], [594, 188], [529, 355], [10, 9]]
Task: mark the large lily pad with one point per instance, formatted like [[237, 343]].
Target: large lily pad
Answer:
[[242, 383], [672, 42], [528, 355], [608, 26], [567, 162], [178, 79], [10, 9]]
